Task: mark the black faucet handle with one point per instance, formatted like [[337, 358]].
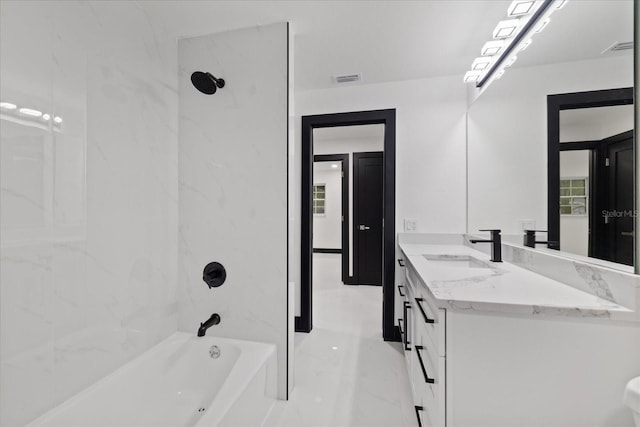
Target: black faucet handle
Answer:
[[495, 233], [214, 274]]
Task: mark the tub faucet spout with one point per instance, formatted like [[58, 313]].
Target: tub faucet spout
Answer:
[[213, 320]]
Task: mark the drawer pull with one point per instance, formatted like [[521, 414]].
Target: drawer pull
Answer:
[[407, 306], [424, 371], [400, 262], [424, 314], [400, 290], [418, 409], [400, 327]]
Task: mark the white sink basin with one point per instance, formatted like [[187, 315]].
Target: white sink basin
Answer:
[[458, 261]]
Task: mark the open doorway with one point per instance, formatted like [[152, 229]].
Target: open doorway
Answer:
[[331, 213], [370, 162]]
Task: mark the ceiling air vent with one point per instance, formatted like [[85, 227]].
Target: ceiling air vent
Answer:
[[347, 78], [618, 46]]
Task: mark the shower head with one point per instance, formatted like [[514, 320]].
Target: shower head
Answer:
[[206, 83]]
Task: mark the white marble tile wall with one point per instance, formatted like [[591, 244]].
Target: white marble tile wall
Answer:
[[89, 205], [233, 186]]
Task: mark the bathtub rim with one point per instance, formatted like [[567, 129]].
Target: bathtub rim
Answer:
[[244, 370]]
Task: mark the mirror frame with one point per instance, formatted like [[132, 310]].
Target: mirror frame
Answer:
[[555, 104]]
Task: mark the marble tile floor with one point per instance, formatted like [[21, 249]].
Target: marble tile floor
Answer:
[[345, 374]]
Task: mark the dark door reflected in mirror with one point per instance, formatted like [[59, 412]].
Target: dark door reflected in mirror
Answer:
[[591, 191]]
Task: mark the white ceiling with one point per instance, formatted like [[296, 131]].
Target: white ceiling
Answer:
[[581, 30], [397, 40]]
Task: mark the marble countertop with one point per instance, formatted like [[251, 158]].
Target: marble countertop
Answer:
[[503, 288]]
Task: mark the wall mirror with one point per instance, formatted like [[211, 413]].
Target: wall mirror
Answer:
[[586, 48], [590, 174]]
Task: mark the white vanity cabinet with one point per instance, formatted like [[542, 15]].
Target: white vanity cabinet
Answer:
[[477, 368], [425, 352]]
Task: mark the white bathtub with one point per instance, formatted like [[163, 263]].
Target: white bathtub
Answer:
[[178, 383]]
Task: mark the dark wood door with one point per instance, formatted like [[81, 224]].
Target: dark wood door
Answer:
[[367, 221], [619, 224]]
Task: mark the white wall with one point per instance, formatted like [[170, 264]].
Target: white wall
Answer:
[[507, 138], [574, 229], [89, 239], [430, 145], [592, 124], [327, 228], [233, 186]]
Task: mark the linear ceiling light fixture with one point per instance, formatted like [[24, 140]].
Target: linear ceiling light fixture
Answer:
[[472, 76], [30, 116], [519, 8], [492, 48], [481, 63], [506, 29], [30, 112], [512, 35]]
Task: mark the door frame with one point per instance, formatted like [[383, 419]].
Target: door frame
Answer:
[[344, 158], [555, 104], [304, 323], [609, 234], [355, 279]]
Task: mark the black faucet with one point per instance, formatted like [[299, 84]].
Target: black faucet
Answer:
[[530, 239], [213, 320], [496, 245]]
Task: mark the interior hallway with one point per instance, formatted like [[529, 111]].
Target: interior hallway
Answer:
[[345, 374]]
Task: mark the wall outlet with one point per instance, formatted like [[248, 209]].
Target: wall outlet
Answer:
[[410, 224], [527, 224]]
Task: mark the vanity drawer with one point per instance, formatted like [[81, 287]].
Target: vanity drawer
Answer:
[[428, 319], [426, 356], [429, 305], [425, 409], [428, 351], [420, 289], [434, 332], [431, 395], [431, 414]]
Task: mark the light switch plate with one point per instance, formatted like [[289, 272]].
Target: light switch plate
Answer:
[[410, 224]]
